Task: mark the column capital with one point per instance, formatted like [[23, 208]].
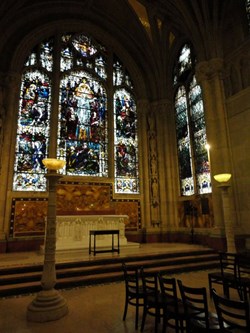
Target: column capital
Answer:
[[207, 70]]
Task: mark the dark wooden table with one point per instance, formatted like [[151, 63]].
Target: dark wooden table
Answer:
[[95, 233]]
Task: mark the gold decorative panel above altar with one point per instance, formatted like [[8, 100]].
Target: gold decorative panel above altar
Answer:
[[28, 214]]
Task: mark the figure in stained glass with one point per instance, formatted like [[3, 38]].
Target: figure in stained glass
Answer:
[[82, 131]]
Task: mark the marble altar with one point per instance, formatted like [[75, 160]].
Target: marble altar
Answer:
[[73, 231]]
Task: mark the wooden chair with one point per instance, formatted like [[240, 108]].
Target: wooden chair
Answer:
[[198, 317], [233, 315], [153, 300], [226, 276], [133, 290], [173, 306], [243, 277]]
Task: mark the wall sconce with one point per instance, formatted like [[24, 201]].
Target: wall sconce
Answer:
[[223, 178], [53, 164]]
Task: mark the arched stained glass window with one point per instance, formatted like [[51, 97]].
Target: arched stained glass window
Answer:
[[73, 76], [193, 156]]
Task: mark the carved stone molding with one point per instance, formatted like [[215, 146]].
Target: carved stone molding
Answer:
[[207, 70]]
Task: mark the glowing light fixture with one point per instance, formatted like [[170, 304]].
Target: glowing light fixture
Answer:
[[53, 163], [222, 177]]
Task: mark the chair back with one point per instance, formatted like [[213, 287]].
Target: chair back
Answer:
[[174, 314], [150, 285], [153, 303], [195, 306], [132, 279], [243, 277], [228, 264], [169, 290], [232, 314]]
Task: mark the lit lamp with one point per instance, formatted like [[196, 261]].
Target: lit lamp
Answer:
[[49, 304], [223, 180]]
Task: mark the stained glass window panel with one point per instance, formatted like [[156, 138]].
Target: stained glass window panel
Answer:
[[126, 145], [184, 149], [81, 51], [183, 65], [199, 139], [81, 111], [32, 132], [120, 75], [193, 161], [82, 136], [247, 2], [42, 55]]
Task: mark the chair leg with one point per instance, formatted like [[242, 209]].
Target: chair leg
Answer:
[[182, 328], [226, 289], [136, 314], [210, 285], [164, 325], [125, 309], [143, 318]]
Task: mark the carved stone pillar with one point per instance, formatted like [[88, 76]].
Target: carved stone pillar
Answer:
[[210, 76], [153, 168], [49, 304]]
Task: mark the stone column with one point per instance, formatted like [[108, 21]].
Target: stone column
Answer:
[[210, 76], [49, 304], [228, 219], [167, 164]]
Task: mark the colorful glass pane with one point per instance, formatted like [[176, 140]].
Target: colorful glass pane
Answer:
[[82, 136], [120, 75], [82, 133], [247, 3], [66, 61], [32, 132], [184, 64], [126, 148], [42, 55], [203, 179], [81, 51], [190, 128]]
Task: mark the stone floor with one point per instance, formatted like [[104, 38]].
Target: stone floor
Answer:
[[95, 309]]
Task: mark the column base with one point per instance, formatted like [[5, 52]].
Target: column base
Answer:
[[47, 306]]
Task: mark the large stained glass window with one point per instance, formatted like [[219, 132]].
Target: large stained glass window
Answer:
[[73, 76], [193, 155]]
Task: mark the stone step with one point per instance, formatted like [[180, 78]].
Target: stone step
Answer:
[[23, 280]]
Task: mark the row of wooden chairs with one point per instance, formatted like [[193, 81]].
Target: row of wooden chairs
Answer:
[[157, 295], [233, 273]]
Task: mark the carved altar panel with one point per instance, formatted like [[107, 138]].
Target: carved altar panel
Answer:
[[73, 231]]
